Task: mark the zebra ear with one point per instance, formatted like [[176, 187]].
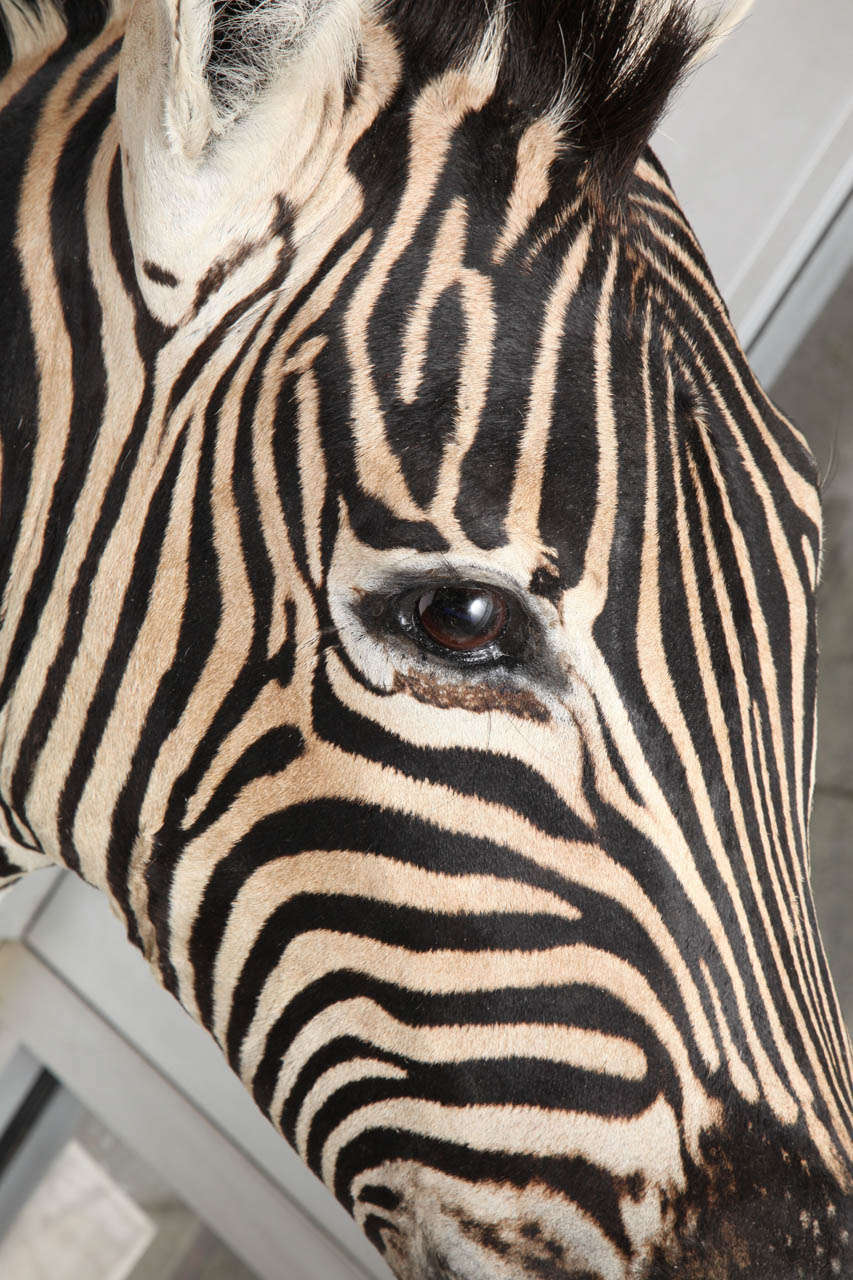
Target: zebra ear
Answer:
[[218, 102]]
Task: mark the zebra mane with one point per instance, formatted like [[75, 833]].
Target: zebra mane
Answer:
[[603, 69]]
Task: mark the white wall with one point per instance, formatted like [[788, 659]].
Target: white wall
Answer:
[[759, 146]]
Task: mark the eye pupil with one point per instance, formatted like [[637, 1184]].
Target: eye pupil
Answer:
[[462, 618]]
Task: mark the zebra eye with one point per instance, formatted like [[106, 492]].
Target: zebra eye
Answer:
[[462, 619]]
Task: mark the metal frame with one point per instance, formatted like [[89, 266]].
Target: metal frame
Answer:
[[40, 1013], [805, 296]]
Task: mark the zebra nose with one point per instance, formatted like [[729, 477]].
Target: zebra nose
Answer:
[[497, 1256], [543, 1270], [441, 1269]]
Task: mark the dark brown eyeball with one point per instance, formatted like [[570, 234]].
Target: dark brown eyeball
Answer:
[[462, 618]]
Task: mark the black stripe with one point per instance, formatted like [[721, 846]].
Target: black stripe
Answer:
[[82, 315]]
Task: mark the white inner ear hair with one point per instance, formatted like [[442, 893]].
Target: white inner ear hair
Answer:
[[245, 46]]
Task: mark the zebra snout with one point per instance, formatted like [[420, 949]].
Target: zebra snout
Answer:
[[432, 1226], [537, 1257], [773, 1218]]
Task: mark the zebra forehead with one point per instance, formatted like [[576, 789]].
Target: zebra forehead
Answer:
[[471, 388]]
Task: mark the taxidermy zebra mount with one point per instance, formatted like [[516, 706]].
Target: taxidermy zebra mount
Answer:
[[408, 617]]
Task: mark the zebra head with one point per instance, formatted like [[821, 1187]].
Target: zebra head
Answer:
[[414, 634]]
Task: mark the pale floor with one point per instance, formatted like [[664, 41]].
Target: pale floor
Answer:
[[816, 390], [79, 1205]]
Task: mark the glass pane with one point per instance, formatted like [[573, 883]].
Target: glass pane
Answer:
[[77, 1204]]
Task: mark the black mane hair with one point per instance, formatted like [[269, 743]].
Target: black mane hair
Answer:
[[614, 63]]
